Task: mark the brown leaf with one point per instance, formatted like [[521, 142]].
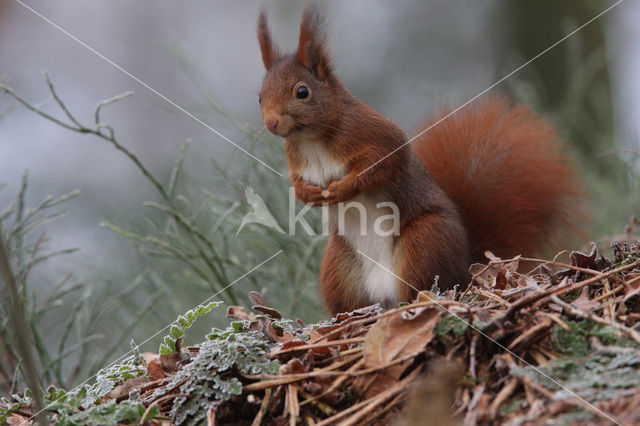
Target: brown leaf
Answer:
[[321, 331], [361, 313], [501, 280], [400, 335], [312, 388], [277, 334], [493, 276], [290, 344], [584, 303], [17, 419], [154, 369], [425, 296], [238, 312], [149, 356], [293, 366], [257, 325], [268, 311], [582, 260], [256, 299], [169, 363], [125, 388], [492, 257], [630, 276]]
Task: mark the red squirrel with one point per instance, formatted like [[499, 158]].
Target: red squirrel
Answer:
[[489, 177]]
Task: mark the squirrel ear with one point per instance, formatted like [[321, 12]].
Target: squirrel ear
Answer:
[[312, 50], [268, 49]]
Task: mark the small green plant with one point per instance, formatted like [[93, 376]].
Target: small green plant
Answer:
[[453, 324], [594, 377], [65, 315], [176, 331], [208, 378], [575, 341], [84, 404]]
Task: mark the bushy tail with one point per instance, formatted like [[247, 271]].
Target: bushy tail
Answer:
[[503, 167]]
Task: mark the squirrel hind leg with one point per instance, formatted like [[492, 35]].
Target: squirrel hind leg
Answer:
[[432, 245], [339, 277]]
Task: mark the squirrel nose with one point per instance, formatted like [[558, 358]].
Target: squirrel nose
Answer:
[[272, 124]]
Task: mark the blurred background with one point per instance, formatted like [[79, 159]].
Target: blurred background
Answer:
[[146, 255]]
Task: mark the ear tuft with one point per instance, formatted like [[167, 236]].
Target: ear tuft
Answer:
[[269, 50], [312, 49]]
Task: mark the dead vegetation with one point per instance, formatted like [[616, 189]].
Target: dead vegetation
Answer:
[[557, 343]]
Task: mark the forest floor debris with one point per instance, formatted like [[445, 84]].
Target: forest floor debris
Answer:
[[558, 343]]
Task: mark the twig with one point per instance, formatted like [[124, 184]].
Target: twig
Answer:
[[106, 132], [63, 107], [21, 331], [374, 318], [504, 393], [531, 332], [292, 404], [472, 355], [98, 108], [337, 382], [582, 315], [276, 380], [263, 408], [600, 276], [318, 345], [472, 414], [400, 386], [394, 402], [611, 350], [157, 401]]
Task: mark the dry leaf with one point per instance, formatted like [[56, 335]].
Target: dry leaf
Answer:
[[582, 260], [392, 338], [155, 369], [293, 366], [584, 303], [268, 311], [238, 312], [256, 298], [125, 388]]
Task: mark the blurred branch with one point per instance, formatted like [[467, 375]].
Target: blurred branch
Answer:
[[21, 331], [617, 150], [106, 132], [98, 130]]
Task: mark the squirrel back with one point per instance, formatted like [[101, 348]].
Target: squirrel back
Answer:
[[503, 167]]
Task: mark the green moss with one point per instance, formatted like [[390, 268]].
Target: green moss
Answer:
[[576, 340], [512, 406], [451, 324], [597, 377]]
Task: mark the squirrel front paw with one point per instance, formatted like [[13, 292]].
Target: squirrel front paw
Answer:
[[336, 192], [310, 194]]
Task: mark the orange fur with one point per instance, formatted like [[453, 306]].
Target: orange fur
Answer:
[[490, 177], [503, 167], [337, 274]]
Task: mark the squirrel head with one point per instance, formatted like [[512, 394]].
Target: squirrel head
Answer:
[[300, 91]]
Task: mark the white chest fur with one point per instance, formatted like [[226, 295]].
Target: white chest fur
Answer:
[[321, 169], [355, 221]]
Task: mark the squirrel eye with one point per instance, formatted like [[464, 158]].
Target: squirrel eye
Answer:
[[302, 92], [260, 100]]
